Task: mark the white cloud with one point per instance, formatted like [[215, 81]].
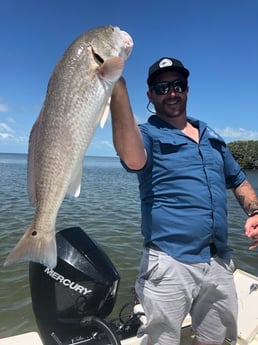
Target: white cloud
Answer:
[[5, 128], [8, 135], [234, 134], [4, 136], [10, 120], [107, 143], [3, 107]]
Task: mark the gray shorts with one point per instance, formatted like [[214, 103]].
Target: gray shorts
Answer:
[[169, 289]]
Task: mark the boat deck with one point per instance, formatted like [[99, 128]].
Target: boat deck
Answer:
[[247, 291]]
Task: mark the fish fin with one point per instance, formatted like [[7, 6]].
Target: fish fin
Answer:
[[111, 69], [31, 161], [34, 247], [104, 117], [74, 188]]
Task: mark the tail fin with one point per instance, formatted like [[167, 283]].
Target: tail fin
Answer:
[[35, 247]]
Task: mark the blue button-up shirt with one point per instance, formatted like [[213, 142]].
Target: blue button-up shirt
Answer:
[[183, 190]]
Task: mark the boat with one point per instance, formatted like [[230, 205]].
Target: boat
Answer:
[[72, 303]]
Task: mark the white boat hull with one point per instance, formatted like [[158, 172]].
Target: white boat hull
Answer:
[[247, 291]]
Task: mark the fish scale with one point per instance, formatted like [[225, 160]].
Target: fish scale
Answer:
[[77, 98]]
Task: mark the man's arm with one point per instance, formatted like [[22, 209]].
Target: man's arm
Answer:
[[127, 137], [248, 200]]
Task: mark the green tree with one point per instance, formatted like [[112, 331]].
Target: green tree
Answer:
[[245, 152]]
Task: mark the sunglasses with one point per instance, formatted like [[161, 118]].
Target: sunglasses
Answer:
[[164, 87]]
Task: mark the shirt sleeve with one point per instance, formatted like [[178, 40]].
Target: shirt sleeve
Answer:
[[234, 174]]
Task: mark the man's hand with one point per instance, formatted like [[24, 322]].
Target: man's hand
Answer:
[[251, 230]]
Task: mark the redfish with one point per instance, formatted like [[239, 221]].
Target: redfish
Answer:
[[76, 101]]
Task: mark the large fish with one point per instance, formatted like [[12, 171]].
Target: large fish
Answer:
[[77, 99]]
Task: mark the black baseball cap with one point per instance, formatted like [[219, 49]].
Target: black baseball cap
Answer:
[[166, 64]]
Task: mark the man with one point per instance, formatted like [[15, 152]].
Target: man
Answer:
[[184, 169]]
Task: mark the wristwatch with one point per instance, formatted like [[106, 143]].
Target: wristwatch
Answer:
[[253, 212]]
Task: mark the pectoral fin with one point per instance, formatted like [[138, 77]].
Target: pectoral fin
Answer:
[[111, 69], [31, 171], [75, 185], [105, 114]]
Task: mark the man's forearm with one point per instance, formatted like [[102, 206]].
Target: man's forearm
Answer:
[[126, 134], [247, 198]]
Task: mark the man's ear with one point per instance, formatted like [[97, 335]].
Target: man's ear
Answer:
[[149, 95]]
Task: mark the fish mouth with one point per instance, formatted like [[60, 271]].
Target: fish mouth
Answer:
[[128, 42], [127, 39]]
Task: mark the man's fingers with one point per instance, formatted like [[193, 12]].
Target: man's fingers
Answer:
[[255, 243]]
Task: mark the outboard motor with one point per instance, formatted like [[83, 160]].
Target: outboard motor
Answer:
[[71, 300]]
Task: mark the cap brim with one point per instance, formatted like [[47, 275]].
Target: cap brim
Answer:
[[181, 70]]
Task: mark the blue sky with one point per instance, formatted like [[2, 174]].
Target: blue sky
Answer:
[[215, 39]]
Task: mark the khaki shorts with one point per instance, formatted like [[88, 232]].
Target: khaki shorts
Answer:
[[169, 289]]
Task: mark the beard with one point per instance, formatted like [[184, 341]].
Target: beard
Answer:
[[171, 108]]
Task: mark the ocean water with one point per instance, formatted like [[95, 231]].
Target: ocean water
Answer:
[[108, 209]]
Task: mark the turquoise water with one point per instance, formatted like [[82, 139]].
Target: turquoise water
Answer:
[[108, 209]]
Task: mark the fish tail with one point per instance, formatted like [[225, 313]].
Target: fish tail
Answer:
[[35, 247]]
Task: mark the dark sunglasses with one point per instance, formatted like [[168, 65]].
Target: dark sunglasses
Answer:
[[164, 87]]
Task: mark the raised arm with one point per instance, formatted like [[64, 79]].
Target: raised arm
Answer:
[[127, 137], [248, 200]]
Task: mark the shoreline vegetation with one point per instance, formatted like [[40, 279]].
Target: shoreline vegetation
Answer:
[[246, 153]]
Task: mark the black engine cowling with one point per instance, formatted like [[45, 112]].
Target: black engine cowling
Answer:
[[84, 283]]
